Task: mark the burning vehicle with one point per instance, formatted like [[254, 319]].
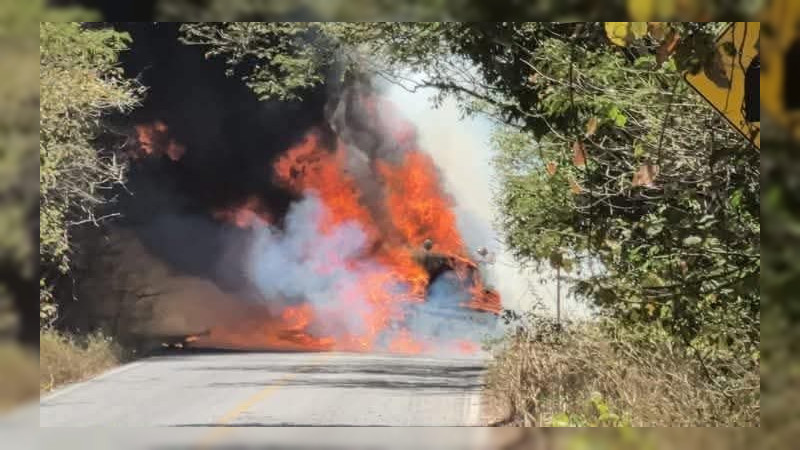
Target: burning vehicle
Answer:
[[456, 301], [457, 297], [464, 275], [352, 269]]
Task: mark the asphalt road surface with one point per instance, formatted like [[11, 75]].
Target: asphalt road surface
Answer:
[[274, 389]]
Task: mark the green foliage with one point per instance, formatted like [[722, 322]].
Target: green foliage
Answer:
[[528, 189], [290, 56], [660, 217], [284, 60], [598, 414], [79, 83]]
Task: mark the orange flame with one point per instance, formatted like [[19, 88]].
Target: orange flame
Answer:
[[260, 329], [413, 208], [310, 167], [249, 214], [466, 347], [406, 344], [153, 139], [417, 206]]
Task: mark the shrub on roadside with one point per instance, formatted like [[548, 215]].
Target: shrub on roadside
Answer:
[[596, 374], [65, 359]]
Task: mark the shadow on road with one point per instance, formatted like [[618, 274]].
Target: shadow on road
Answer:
[[424, 375], [415, 370], [440, 387]]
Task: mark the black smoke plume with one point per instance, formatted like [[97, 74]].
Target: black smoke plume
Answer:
[[231, 139]]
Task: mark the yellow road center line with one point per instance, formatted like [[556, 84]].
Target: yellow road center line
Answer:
[[241, 408], [230, 416]]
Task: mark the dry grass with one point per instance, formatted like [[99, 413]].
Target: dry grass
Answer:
[[588, 377], [67, 359]]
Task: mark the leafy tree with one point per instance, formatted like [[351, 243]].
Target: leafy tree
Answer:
[[79, 83], [610, 164], [281, 59]]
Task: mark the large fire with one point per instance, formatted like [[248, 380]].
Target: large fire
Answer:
[[377, 284]]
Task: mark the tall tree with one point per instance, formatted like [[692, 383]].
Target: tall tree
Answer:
[[79, 83]]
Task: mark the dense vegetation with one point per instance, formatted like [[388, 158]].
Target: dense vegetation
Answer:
[[79, 83]]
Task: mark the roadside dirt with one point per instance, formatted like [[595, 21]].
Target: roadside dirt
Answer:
[[495, 411]]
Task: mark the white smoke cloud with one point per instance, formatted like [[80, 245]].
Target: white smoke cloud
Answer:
[[299, 264], [442, 319]]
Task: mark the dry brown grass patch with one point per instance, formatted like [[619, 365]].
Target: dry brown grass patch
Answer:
[[588, 377], [67, 359]]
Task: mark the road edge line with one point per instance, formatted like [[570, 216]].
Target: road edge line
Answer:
[[74, 386]]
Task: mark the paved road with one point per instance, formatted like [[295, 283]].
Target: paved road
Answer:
[[274, 389]]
